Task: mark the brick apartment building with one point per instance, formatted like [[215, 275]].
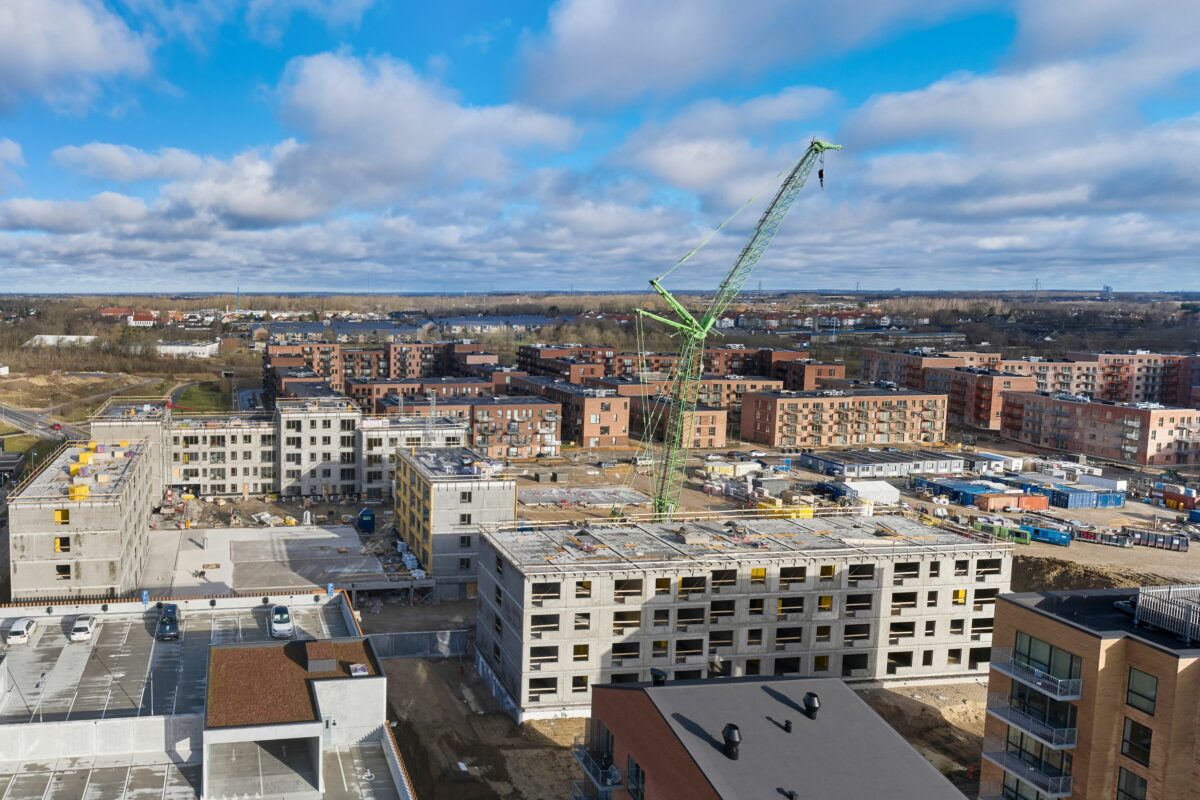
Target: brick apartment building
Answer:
[[863, 416], [705, 429], [1092, 694], [806, 375], [337, 363], [974, 393], [1133, 377], [1141, 433], [499, 427], [577, 362], [590, 417], [368, 393], [499, 377]]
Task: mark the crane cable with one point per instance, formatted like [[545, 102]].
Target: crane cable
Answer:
[[703, 242]]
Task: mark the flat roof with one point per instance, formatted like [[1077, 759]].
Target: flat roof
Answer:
[[112, 675], [395, 422], [315, 404], [471, 400], [558, 384], [218, 421], [269, 684], [601, 546], [450, 462], [883, 456], [140, 411], [105, 476], [1093, 610], [848, 392], [848, 752]]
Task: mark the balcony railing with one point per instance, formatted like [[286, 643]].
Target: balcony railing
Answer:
[[1047, 784], [598, 767], [1056, 738], [1012, 665]]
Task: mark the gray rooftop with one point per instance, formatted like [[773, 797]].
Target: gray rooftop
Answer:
[[315, 405], [104, 476], [398, 423], [441, 463], [1093, 610], [623, 546], [140, 411], [848, 752], [850, 392]]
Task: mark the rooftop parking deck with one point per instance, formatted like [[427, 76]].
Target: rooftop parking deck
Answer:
[[622, 546], [124, 671]]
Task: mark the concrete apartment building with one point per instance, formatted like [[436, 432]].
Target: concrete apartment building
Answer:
[[705, 429], [514, 427], [667, 740], [863, 416], [444, 497], [313, 446], [79, 527], [222, 711], [1092, 694], [590, 417], [1142, 433], [565, 607], [973, 394]]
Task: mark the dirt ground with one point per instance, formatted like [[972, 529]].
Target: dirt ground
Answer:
[[459, 745], [944, 722], [422, 617], [28, 390]]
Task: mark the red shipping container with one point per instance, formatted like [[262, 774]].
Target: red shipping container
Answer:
[[1182, 501], [1033, 502], [996, 502]]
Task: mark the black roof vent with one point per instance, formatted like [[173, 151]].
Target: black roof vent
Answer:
[[658, 677], [812, 704], [733, 739]]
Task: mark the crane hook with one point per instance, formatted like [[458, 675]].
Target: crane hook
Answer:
[[821, 177]]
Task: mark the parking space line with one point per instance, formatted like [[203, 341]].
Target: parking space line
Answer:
[[258, 752], [11, 783], [87, 783], [166, 781], [49, 783], [341, 768]]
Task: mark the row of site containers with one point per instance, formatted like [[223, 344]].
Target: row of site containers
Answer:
[[1000, 502], [1160, 541], [1111, 539], [1015, 535], [1048, 535]]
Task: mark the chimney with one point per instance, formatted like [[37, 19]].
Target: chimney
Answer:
[[787, 726], [733, 739], [812, 704], [658, 677]]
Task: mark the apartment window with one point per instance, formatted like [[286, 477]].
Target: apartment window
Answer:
[[1135, 741], [62, 544], [637, 780], [756, 606], [581, 652], [1143, 690], [464, 497], [758, 575], [662, 585], [1130, 786], [827, 572], [935, 569], [62, 516], [1044, 656], [821, 664], [960, 597], [754, 637], [825, 602], [579, 683], [583, 588], [464, 564], [954, 656], [931, 599], [62, 572], [464, 519], [583, 621], [662, 617]]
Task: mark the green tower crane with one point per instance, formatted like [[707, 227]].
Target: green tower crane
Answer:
[[685, 379]]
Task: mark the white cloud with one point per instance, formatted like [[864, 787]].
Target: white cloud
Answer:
[[268, 19], [606, 51], [60, 49], [10, 156], [62, 216], [124, 163], [375, 128]]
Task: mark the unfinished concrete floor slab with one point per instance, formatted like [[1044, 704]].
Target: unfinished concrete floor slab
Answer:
[[603, 496], [87, 779]]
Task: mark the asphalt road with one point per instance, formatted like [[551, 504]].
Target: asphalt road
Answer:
[[37, 424]]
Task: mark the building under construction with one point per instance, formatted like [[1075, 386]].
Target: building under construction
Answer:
[[870, 599]]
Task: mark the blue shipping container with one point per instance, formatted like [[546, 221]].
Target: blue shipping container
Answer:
[[1194, 515], [1048, 535]]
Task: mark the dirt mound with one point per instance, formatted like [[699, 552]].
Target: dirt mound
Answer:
[[1040, 574]]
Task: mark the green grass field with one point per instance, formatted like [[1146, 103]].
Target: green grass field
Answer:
[[204, 397]]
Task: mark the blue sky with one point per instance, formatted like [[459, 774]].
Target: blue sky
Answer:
[[200, 145]]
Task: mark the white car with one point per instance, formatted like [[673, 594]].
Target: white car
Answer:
[[757, 454], [279, 623], [81, 630], [21, 631], [712, 457]]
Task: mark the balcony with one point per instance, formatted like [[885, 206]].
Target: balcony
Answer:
[[1049, 785], [1056, 738], [585, 790], [1006, 663], [598, 767]]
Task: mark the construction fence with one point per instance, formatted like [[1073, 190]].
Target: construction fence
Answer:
[[422, 644]]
